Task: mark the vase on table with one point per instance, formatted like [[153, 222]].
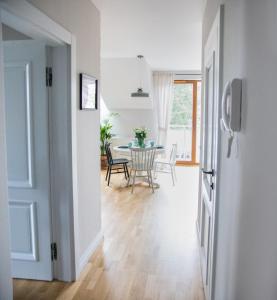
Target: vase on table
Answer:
[[140, 142], [140, 135]]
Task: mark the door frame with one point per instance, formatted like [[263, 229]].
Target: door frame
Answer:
[[5, 261], [217, 27], [191, 162], [34, 23]]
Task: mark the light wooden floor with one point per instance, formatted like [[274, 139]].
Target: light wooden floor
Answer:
[[149, 250]]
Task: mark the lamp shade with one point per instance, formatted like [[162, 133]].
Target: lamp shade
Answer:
[[140, 93]]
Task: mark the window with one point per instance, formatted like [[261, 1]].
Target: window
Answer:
[[184, 126]]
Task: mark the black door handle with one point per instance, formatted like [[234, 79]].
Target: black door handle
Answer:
[[208, 172]]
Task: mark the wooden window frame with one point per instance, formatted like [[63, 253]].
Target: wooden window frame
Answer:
[[191, 162]]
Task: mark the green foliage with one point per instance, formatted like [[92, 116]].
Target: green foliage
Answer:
[[140, 133], [181, 112], [105, 135], [106, 132]]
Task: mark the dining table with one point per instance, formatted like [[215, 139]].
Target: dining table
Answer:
[[125, 150]]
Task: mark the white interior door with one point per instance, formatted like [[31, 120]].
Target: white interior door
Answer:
[[28, 159], [209, 163]]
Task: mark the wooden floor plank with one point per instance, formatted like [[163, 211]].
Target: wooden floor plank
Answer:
[[149, 250]]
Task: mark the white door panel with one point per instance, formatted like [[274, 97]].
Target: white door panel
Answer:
[[207, 193], [24, 246], [209, 115], [28, 159], [19, 129], [209, 162]]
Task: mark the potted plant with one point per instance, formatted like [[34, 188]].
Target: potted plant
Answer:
[[140, 134], [105, 137]]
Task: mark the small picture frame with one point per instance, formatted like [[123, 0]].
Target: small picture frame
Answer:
[[88, 92]]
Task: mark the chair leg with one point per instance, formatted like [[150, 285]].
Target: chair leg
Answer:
[[125, 174], [155, 170], [151, 178], [109, 178], [107, 173], [172, 175], [127, 170], [148, 178], [134, 179], [174, 170], [128, 182]]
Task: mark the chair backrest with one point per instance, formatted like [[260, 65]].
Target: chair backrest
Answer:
[[143, 158], [118, 141], [109, 153], [173, 154]]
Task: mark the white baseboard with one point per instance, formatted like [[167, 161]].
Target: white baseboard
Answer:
[[89, 251]]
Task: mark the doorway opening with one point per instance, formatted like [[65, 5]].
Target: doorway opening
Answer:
[[162, 222]]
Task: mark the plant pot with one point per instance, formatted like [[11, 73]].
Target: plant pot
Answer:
[[103, 162]]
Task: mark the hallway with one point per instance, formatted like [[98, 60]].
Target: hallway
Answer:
[[149, 250]]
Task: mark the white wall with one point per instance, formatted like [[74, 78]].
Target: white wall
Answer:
[[83, 20], [246, 266], [127, 120], [120, 77]]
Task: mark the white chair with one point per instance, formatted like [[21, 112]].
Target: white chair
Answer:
[[167, 165], [142, 163]]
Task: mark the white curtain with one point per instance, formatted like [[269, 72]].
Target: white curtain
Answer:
[[163, 83]]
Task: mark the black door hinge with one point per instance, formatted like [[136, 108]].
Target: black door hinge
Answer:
[[54, 253], [49, 76]]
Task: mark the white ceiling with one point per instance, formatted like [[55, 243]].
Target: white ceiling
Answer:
[[166, 32]]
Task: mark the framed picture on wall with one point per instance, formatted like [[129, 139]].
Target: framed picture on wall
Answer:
[[88, 92]]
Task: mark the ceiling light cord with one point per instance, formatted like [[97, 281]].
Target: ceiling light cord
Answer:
[[140, 58], [139, 92]]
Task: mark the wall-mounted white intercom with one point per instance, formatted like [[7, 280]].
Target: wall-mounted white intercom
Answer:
[[231, 110]]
